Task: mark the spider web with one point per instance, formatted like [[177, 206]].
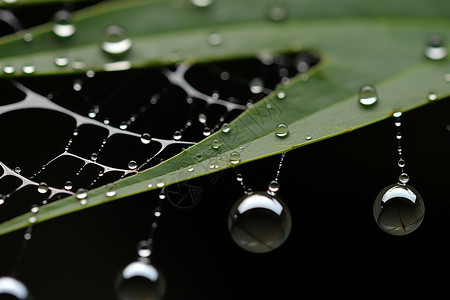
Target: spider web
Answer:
[[64, 133]]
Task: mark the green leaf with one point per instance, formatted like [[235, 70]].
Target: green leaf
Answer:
[[359, 43]]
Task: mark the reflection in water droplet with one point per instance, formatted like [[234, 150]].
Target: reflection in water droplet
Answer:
[[226, 128], [63, 26], [68, 185], [435, 49], [259, 222], [11, 288], [110, 190], [34, 209], [42, 188], [431, 96], [398, 209], [256, 85], [202, 3], [216, 144], [215, 39], [9, 69], [132, 165], [367, 95], [140, 280], [235, 158], [146, 138], [403, 178], [177, 135], [115, 40], [282, 130], [206, 131], [17, 170]]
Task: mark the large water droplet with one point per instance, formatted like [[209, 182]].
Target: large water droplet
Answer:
[[140, 280], [403, 178], [235, 158], [81, 195], [274, 186], [146, 138], [11, 288], [144, 249], [436, 49], [398, 209], [42, 188], [259, 222], [177, 135], [216, 144], [115, 40], [132, 165], [110, 190], [256, 85], [226, 128], [68, 185], [28, 69], [367, 95], [282, 130], [63, 26]]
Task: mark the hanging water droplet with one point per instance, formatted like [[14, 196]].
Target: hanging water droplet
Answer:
[[206, 131], [216, 144], [132, 165], [214, 39], [239, 177], [123, 125], [398, 209], [367, 95], [282, 130], [235, 158], [92, 114], [202, 118], [256, 85], [436, 49], [397, 122], [32, 219], [68, 185], [94, 156], [11, 288], [42, 188], [17, 170], [77, 86], [34, 208], [140, 280], [116, 41], [259, 222], [63, 26], [403, 178], [177, 135], [401, 163], [201, 3], [144, 249], [146, 138], [274, 186]]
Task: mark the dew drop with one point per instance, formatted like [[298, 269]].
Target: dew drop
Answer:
[[28, 69], [81, 195], [157, 212], [61, 61], [431, 97], [160, 184], [226, 128], [132, 165], [9, 69], [115, 40], [274, 186], [191, 169], [140, 280], [77, 86], [202, 118], [177, 135], [398, 209], [28, 37], [11, 288], [32, 219], [111, 190], [256, 85], [206, 131], [447, 77], [367, 95], [214, 39], [281, 95], [435, 49], [308, 136], [63, 26], [144, 249], [276, 12], [42, 188], [123, 125], [397, 114], [403, 178], [259, 222], [235, 158], [17, 170], [239, 177], [216, 144], [282, 130], [201, 3], [146, 138], [68, 185], [401, 163]]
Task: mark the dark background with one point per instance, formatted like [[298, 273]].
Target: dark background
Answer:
[[335, 246]]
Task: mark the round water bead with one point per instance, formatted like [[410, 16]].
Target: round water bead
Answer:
[[398, 209], [115, 40], [435, 49], [63, 26], [282, 130], [259, 222], [140, 280], [367, 95], [11, 288]]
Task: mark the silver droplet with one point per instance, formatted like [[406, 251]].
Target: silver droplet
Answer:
[[132, 165], [81, 195], [115, 40], [28, 69], [403, 178], [431, 97], [282, 130], [436, 49], [256, 85], [63, 26], [110, 190], [146, 138], [274, 186], [42, 188], [9, 69], [177, 135], [68, 185], [235, 158], [367, 95], [144, 249]]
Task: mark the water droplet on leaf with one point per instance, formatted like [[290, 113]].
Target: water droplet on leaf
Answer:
[[63, 26], [367, 95], [235, 158], [132, 165], [116, 41], [111, 190], [42, 188], [146, 138], [436, 49], [282, 130]]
